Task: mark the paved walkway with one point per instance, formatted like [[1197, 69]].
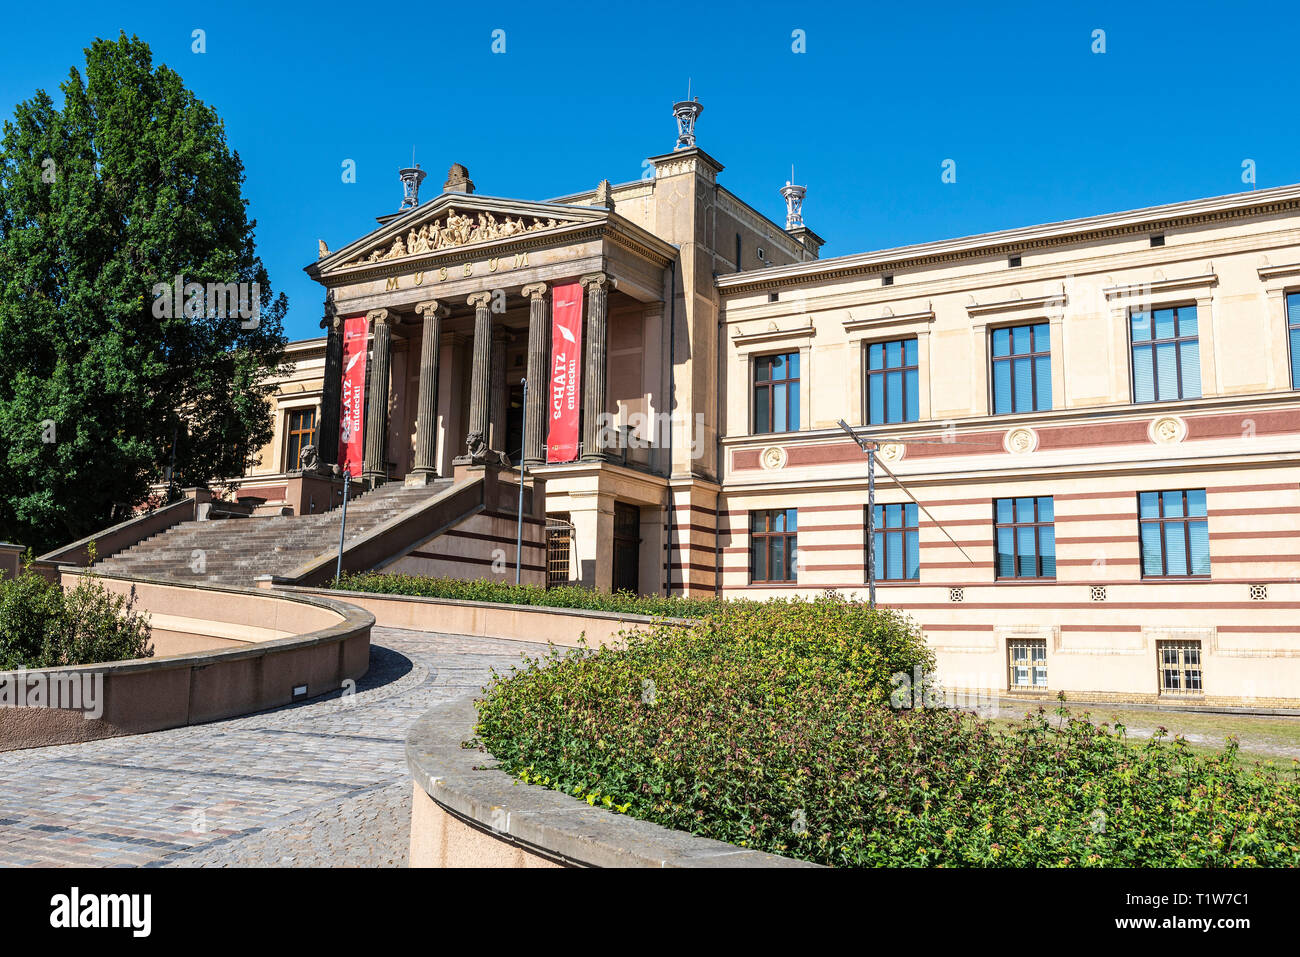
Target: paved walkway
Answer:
[[323, 784]]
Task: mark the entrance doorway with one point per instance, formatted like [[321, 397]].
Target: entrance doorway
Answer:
[[627, 547], [514, 438]]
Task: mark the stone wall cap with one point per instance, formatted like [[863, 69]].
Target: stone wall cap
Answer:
[[352, 620], [550, 823], [614, 616]]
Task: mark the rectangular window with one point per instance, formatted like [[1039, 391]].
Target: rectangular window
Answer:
[[772, 545], [776, 393], [893, 393], [1166, 354], [898, 549], [1025, 532], [301, 432], [1180, 667], [1028, 662], [1293, 333], [1174, 532], [1022, 369]]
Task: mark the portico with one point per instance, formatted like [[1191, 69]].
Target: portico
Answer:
[[457, 296], [454, 301]]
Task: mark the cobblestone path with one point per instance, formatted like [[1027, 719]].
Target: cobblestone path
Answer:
[[320, 784]]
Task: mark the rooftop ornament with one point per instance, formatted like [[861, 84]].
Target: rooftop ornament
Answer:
[[686, 113], [412, 177], [793, 202]]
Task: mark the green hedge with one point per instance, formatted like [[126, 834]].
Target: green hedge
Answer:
[[568, 596], [768, 725], [43, 626]]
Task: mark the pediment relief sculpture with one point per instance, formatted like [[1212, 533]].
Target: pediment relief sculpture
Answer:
[[456, 229]]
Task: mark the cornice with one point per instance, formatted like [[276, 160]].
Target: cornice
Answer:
[[340, 259], [1192, 255], [774, 335], [1156, 286], [1267, 273], [906, 318], [1053, 300], [1190, 213], [688, 159], [614, 229]]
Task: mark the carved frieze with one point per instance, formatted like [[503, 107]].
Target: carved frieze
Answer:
[[453, 230]]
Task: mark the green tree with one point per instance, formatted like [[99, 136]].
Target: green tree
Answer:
[[127, 186]]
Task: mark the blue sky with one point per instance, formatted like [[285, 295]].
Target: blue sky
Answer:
[[1040, 127]]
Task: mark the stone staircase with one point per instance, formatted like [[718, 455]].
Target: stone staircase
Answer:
[[236, 551]]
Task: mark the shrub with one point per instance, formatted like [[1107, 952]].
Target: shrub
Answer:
[[767, 725], [566, 596], [43, 626]]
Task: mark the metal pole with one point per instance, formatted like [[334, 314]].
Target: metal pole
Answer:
[[343, 525], [871, 523], [171, 471], [519, 524]]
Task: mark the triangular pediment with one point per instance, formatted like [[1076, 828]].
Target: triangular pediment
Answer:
[[456, 220]]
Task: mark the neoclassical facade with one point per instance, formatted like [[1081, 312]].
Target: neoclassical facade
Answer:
[[1087, 432]]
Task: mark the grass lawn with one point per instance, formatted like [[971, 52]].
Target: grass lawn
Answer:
[[1262, 738]]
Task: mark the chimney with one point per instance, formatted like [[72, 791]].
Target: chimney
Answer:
[[412, 177], [458, 180]]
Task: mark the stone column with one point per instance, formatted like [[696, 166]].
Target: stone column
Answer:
[[480, 390], [374, 470], [500, 394], [327, 436], [425, 468], [593, 393], [538, 381]]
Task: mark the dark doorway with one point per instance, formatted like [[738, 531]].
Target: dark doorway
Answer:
[[627, 547], [515, 424]]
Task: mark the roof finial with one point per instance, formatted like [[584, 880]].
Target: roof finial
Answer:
[[686, 113], [793, 202], [412, 177]]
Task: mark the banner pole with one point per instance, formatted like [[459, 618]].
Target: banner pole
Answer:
[[343, 526], [519, 524]]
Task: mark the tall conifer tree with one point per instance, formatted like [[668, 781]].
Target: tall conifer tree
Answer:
[[126, 186]]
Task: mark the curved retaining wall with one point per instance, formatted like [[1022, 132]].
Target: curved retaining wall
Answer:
[[463, 815], [560, 626], [256, 648]]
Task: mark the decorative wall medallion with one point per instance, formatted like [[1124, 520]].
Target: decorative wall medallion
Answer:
[[892, 451], [1020, 441], [1167, 430], [773, 457]]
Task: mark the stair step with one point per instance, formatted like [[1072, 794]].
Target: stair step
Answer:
[[238, 550]]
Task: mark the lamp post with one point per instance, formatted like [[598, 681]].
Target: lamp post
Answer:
[[869, 448]]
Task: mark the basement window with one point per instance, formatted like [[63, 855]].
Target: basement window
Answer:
[[1027, 663]]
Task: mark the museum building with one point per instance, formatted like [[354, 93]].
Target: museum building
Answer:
[[1087, 432]]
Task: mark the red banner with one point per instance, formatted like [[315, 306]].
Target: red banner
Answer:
[[566, 375], [353, 395]]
